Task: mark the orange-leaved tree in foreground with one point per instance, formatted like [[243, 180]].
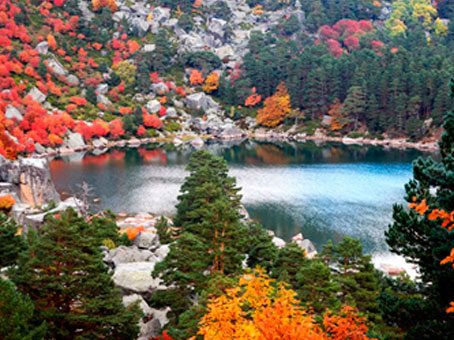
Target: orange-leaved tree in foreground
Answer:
[[275, 108], [261, 308], [447, 221]]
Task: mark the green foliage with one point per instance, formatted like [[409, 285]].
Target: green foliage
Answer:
[[185, 22], [426, 243], [261, 250], [202, 60], [164, 231], [62, 271], [11, 244], [16, 314]]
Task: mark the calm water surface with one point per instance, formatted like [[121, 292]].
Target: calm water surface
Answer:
[[325, 192]]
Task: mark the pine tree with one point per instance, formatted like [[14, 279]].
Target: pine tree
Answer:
[[355, 104], [63, 273], [422, 241], [316, 286], [288, 262], [16, 313], [262, 251], [209, 218], [11, 244]]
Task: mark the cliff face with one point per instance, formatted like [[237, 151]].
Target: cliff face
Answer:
[[28, 180]]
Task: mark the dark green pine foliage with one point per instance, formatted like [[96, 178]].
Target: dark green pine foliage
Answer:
[[11, 244], [211, 236], [317, 287], [16, 313], [426, 243], [164, 231], [261, 250], [355, 105], [63, 273], [288, 262], [357, 277]]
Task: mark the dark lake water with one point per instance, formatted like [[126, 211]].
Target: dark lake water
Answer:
[[324, 192]]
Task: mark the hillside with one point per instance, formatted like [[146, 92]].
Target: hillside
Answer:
[[74, 71]]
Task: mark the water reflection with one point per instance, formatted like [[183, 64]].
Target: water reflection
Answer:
[[324, 191]]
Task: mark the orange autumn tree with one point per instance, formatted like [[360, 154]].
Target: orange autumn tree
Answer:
[[275, 108], [98, 4], [211, 83], [261, 308], [196, 77]]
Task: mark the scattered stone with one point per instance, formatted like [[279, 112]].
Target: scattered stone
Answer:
[[278, 242], [124, 254], [37, 95], [153, 106], [42, 48], [72, 80], [136, 277], [13, 113], [162, 252], [147, 240], [75, 141], [56, 67], [102, 89], [197, 142]]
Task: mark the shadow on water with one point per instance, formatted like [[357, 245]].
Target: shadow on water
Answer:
[[324, 191]]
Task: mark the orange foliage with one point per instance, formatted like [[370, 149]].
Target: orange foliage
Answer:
[[347, 325], [253, 99], [52, 42], [211, 83], [447, 221], [275, 108], [196, 77], [6, 202], [260, 308], [133, 232], [337, 120], [98, 4], [152, 121]]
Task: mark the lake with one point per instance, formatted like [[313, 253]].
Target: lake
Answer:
[[323, 191]]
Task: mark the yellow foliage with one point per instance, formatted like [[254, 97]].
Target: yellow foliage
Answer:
[[98, 4], [440, 28], [126, 71], [275, 108], [211, 83], [258, 309]]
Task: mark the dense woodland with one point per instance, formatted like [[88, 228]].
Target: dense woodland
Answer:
[[348, 69]]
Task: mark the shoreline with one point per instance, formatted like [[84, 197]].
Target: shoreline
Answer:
[[198, 140]]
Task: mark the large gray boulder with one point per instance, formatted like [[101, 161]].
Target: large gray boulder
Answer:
[[36, 220], [147, 240], [31, 180], [75, 142], [124, 254], [201, 101], [136, 277]]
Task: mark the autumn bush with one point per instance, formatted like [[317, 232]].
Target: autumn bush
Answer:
[[6, 203], [275, 108]]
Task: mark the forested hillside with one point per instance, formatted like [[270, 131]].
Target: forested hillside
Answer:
[[118, 69]]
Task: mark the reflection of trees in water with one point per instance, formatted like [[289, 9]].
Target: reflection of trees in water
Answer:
[[271, 154]]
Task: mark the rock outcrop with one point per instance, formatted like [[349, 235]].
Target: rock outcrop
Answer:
[[30, 181]]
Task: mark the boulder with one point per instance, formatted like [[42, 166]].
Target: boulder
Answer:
[[217, 27], [136, 298], [42, 48], [159, 88], [162, 252], [201, 101], [177, 141], [147, 240], [37, 95], [36, 220], [74, 141], [55, 67], [153, 106], [140, 25], [136, 277], [72, 80], [31, 180], [308, 246], [12, 113], [125, 254], [100, 98], [99, 143], [278, 242], [102, 89], [149, 47], [161, 14], [171, 112], [231, 133], [150, 329]]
